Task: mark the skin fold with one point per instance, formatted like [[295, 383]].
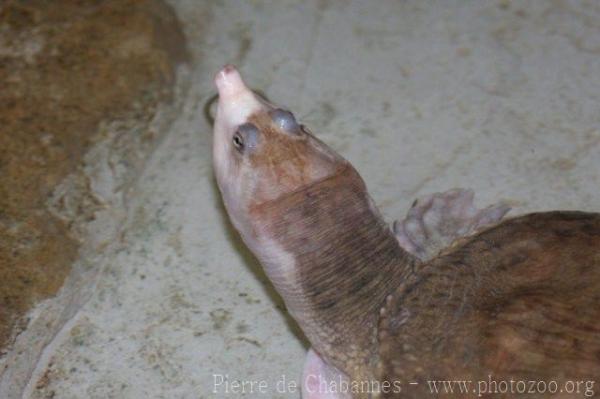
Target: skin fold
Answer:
[[448, 294]]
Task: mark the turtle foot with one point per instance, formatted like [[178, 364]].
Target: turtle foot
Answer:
[[437, 220], [322, 381]]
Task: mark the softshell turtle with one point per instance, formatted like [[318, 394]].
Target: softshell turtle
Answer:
[[451, 295]]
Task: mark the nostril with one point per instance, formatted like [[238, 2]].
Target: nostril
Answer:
[[227, 69], [229, 81]]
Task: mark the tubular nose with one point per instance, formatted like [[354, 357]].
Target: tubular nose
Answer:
[[229, 82]]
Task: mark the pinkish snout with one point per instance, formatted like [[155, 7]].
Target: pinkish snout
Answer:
[[229, 82]]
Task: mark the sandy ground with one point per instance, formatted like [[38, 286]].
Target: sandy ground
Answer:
[[421, 97]]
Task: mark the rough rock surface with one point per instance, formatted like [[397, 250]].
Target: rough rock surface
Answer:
[[67, 69]]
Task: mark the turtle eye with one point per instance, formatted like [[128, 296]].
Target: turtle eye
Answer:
[[238, 142], [245, 138], [285, 120]]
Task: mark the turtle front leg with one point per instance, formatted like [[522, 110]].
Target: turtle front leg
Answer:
[[322, 381], [437, 220]]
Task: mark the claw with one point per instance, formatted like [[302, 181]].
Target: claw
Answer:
[[437, 220]]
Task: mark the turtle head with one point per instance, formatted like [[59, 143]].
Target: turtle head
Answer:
[[261, 153]]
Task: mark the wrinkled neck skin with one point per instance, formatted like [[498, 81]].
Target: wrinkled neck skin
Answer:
[[333, 260]]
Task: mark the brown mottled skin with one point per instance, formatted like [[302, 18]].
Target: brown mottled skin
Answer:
[[518, 300]]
